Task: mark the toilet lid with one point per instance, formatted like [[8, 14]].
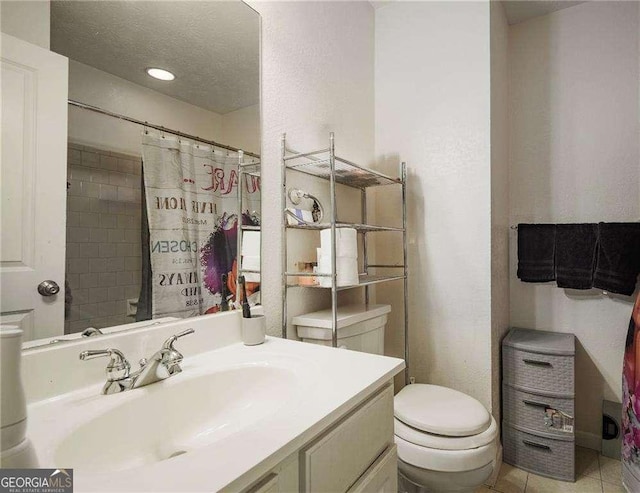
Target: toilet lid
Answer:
[[441, 442], [440, 410]]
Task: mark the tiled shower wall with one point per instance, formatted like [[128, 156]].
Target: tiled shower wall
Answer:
[[103, 236]]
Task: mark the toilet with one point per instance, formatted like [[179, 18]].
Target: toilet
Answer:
[[447, 440]]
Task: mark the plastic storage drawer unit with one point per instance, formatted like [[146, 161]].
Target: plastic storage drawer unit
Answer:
[[538, 388]]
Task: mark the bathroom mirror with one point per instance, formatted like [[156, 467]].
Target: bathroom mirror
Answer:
[[161, 164]]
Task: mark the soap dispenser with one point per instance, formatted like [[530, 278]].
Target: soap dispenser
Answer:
[[16, 451]]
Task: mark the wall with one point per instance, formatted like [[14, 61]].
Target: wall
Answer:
[[432, 74], [103, 237], [241, 128], [574, 158], [27, 20], [98, 88], [317, 77], [499, 195]]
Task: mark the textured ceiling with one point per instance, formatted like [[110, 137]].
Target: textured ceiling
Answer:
[[211, 46], [522, 10]]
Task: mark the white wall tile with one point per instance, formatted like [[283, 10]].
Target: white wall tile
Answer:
[[115, 235], [89, 219], [115, 264], [77, 265], [98, 235], [78, 235], [132, 264], [108, 250], [100, 176], [97, 265], [89, 250], [73, 250], [109, 162], [124, 278], [126, 222], [126, 194], [78, 204], [88, 280], [107, 279], [108, 221], [90, 159], [108, 192], [118, 179], [103, 231], [98, 295], [89, 189]]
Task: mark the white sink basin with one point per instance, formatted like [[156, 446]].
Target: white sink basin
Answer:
[[176, 416], [232, 412]]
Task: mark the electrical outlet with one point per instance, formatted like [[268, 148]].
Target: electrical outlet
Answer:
[[412, 380]]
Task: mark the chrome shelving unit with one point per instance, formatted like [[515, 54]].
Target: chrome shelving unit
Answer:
[[246, 168], [325, 164]]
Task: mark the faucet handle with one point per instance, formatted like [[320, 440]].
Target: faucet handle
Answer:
[[171, 357], [168, 344], [117, 368]]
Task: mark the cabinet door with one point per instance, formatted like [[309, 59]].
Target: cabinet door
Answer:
[[339, 458], [382, 476], [267, 485]]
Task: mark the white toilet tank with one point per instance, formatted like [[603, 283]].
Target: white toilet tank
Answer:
[[360, 327]]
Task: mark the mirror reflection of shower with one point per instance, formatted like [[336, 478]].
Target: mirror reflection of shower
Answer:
[[114, 101]]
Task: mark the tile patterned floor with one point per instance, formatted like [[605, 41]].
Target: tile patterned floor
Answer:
[[594, 473]]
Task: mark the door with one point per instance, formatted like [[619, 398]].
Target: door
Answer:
[[33, 175]]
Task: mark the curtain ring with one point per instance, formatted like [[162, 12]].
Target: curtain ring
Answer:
[[162, 131], [146, 130]]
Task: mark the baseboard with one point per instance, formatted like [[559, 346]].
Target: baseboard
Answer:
[[493, 479], [588, 440]]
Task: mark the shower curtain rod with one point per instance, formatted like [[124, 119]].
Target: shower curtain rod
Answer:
[[95, 109]]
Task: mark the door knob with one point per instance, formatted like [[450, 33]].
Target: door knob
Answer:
[[48, 288]]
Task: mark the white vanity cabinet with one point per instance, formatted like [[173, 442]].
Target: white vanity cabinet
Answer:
[[354, 453]]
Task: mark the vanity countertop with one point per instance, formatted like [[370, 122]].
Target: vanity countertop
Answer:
[[300, 388]]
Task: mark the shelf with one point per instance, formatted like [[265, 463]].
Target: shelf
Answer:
[[245, 227], [359, 227], [365, 280], [347, 173]]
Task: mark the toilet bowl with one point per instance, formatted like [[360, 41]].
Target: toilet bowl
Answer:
[[447, 441]]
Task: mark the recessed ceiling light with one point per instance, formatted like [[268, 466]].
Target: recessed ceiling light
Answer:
[[161, 74]]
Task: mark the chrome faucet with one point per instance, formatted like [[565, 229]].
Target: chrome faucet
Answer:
[[161, 365]]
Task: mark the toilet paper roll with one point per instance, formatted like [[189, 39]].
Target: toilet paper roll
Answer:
[[251, 243], [346, 242], [346, 268], [13, 406]]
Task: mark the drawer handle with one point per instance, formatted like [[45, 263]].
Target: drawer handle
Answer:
[[536, 445], [536, 362], [535, 404]]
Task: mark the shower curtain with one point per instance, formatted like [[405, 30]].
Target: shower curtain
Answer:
[[631, 403], [191, 205]]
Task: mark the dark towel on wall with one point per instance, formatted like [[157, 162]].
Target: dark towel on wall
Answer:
[[576, 255], [536, 252], [618, 259]]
